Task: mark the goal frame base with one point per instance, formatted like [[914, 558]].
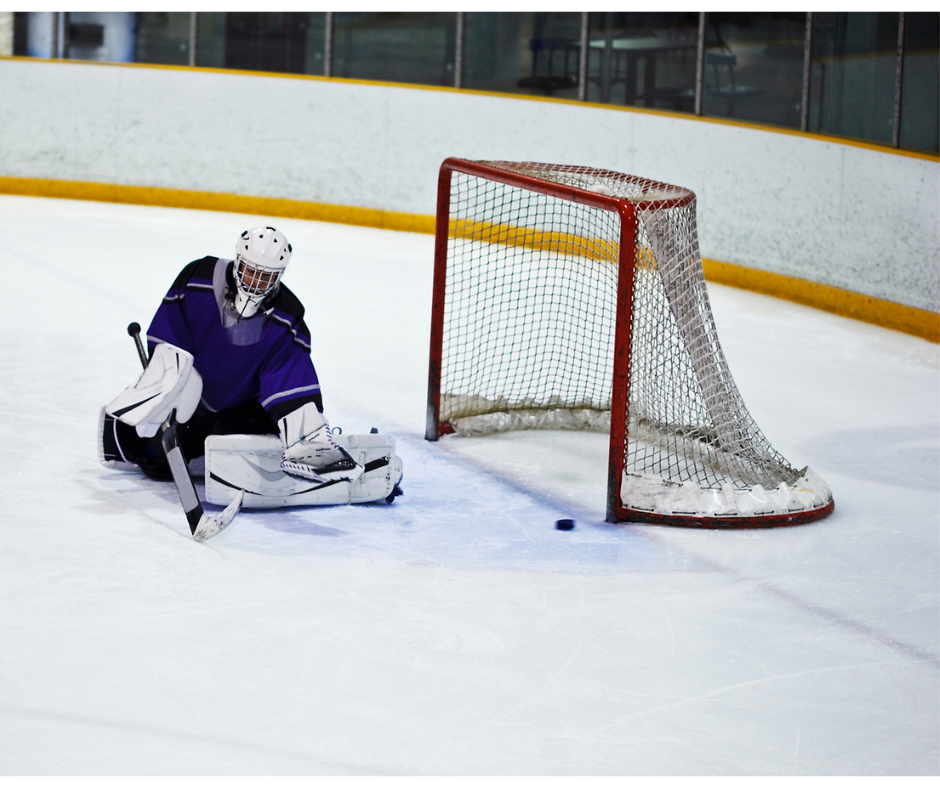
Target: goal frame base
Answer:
[[626, 515]]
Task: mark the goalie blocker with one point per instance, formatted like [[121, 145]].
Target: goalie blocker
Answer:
[[253, 463]]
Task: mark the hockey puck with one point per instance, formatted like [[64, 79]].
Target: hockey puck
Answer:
[[564, 525]]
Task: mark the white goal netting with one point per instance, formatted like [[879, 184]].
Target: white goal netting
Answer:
[[529, 328]]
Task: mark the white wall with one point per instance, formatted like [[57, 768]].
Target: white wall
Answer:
[[857, 218]]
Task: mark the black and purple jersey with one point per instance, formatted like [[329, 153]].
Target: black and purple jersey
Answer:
[[265, 357]]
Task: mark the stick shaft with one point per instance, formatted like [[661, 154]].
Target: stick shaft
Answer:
[[184, 482]]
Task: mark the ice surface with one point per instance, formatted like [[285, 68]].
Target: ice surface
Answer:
[[455, 632]]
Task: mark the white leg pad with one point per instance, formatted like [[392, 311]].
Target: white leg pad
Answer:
[[253, 463]]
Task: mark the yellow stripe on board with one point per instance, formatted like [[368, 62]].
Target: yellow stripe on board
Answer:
[[217, 201], [534, 239], [908, 319], [888, 314]]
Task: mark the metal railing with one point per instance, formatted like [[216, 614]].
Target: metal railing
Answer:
[[61, 48]]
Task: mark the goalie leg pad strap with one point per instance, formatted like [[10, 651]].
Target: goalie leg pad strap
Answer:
[[253, 463]]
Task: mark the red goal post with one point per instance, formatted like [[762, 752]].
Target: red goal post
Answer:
[[573, 298]]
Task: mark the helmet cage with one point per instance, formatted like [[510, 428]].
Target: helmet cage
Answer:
[[255, 280]]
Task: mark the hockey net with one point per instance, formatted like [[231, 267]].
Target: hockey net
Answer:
[[574, 298]]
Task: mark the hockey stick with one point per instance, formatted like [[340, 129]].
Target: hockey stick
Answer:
[[134, 330], [201, 525]]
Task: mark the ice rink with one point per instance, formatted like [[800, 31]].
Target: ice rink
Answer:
[[456, 631]]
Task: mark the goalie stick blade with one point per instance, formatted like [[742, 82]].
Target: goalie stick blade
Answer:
[[211, 524]]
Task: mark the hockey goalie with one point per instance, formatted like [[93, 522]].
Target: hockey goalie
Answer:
[[229, 366]]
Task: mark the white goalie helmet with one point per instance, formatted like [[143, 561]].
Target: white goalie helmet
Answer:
[[261, 256]]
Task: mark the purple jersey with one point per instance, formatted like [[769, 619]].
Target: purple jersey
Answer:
[[265, 357]]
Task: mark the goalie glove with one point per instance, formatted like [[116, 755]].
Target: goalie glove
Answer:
[[310, 451], [168, 382]]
